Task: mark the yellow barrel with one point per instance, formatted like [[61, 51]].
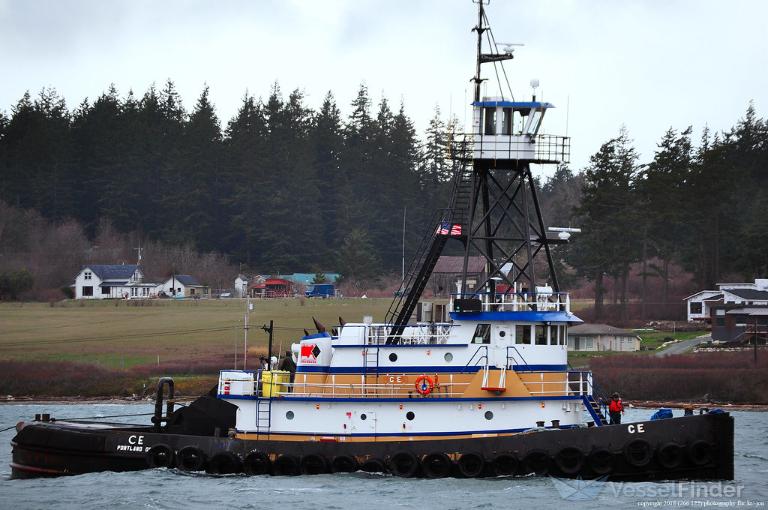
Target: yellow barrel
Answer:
[[275, 382]]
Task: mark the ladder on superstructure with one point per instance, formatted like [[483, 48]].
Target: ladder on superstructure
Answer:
[[263, 415], [431, 247]]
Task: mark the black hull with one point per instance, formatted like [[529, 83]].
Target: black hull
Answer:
[[688, 448]]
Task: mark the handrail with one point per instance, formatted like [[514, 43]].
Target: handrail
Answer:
[[510, 365], [484, 356], [522, 301]]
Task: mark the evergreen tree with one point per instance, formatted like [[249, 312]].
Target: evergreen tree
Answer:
[[661, 188], [201, 159], [608, 218], [246, 150]]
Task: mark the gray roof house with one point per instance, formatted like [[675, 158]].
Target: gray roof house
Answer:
[[601, 337]]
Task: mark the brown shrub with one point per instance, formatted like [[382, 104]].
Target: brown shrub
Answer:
[[717, 377]]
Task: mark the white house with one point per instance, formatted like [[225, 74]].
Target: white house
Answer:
[[698, 305], [601, 337], [104, 281], [241, 285], [183, 285]]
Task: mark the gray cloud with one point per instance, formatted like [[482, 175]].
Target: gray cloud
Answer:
[[647, 64]]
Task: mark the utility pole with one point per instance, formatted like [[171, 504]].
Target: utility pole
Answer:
[[269, 329], [245, 330]]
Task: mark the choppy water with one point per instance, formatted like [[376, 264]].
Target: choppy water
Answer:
[[171, 489]]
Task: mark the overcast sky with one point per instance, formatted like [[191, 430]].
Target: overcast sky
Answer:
[[646, 64]]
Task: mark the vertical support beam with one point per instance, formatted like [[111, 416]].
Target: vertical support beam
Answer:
[[531, 273], [470, 227], [555, 284], [490, 264]]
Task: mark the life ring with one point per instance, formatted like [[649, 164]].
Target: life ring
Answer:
[[424, 385], [160, 455]]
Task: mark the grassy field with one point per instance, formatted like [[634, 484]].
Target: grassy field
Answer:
[[124, 334], [52, 349]]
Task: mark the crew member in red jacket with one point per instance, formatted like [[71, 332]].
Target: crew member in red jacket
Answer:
[[615, 409]]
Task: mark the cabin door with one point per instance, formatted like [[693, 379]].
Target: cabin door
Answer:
[[364, 422], [501, 338]]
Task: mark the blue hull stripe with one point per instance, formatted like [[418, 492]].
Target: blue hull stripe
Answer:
[[405, 434], [323, 400], [427, 369]]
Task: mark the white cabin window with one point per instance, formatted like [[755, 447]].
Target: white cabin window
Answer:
[[541, 335], [490, 121], [482, 334], [563, 335], [506, 121], [523, 334]]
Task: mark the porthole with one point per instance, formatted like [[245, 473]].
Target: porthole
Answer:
[[489, 415], [363, 417], [289, 415], [502, 334], [410, 415], [392, 357], [448, 357]]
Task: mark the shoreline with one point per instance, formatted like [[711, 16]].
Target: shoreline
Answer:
[[726, 406]]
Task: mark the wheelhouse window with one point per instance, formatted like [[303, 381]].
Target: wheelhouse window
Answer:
[[490, 121], [541, 335], [482, 334], [506, 121], [522, 334]]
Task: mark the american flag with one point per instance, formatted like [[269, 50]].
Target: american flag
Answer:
[[446, 229]]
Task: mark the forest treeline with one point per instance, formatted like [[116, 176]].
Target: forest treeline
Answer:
[[282, 187], [703, 207]]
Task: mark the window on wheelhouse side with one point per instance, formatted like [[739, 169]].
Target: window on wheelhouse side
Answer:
[[482, 334], [541, 335], [562, 335], [522, 334]]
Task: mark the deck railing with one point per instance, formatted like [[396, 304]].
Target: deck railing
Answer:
[[522, 301]]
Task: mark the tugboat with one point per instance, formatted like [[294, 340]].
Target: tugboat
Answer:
[[486, 393]]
